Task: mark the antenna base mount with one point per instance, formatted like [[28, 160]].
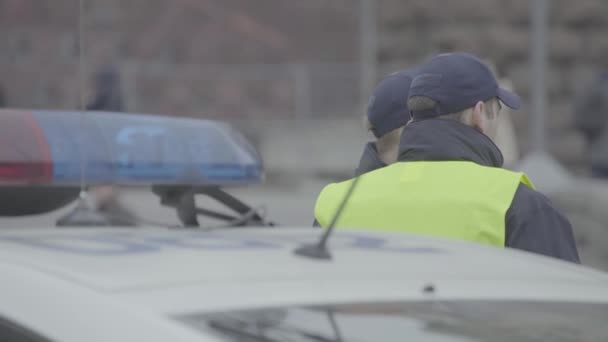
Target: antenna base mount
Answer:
[[316, 251]]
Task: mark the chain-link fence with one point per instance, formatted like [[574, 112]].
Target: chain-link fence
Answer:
[[281, 91], [243, 91]]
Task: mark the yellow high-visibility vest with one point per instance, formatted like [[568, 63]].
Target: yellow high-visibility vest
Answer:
[[452, 199]]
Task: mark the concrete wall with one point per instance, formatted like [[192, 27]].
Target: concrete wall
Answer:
[[296, 149]]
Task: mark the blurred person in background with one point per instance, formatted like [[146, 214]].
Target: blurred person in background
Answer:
[[108, 97], [2, 97], [448, 180], [387, 113], [590, 117], [108, 91]]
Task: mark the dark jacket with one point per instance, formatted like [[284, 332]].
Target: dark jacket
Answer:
[[2, 97], [591, 118], [591, 108], [108, 94], [370, 160], [532, 223]]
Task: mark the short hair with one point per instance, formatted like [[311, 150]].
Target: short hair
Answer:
[[388, 143]]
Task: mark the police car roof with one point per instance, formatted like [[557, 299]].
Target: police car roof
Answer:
[[101, 284], [253, 267]]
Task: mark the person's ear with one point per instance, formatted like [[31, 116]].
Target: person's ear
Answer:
[[368, 125], [480, 107], [478, 117]]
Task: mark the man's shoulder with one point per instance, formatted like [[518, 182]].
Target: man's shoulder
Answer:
[[533, 209], [530, 200], [535, 225]]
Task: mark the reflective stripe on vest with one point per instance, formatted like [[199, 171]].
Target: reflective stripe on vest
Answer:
[[453, 199]]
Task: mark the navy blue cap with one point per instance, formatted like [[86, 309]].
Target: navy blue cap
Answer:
[[387, 109], [457, 81]]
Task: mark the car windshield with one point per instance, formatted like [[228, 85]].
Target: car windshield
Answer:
[[450, 321]]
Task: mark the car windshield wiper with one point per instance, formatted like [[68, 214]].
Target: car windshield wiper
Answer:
[[230, 327], [257, 332]]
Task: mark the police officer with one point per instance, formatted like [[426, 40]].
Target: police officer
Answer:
[[108, 97], [591, 118], [448, 181], [387, 113]]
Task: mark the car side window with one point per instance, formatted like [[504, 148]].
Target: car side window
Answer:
[[13, 332]]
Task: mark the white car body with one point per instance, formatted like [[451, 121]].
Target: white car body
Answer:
[[114, 284]]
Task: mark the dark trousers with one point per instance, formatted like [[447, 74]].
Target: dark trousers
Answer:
[[599, 172]]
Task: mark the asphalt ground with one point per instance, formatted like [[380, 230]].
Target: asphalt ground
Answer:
[[285, 205]]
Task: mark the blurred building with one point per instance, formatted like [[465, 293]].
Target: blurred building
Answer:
[[500, 31], [228, 58], [240, 59]]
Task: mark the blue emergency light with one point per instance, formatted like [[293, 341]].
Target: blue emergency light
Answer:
[[48, 147]]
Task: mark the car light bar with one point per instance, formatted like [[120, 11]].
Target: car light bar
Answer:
[[46, 148]]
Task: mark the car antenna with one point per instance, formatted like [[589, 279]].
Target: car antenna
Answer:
[[83, 214], [319, 250]]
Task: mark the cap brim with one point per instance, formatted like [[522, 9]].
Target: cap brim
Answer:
[[509, 98]]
